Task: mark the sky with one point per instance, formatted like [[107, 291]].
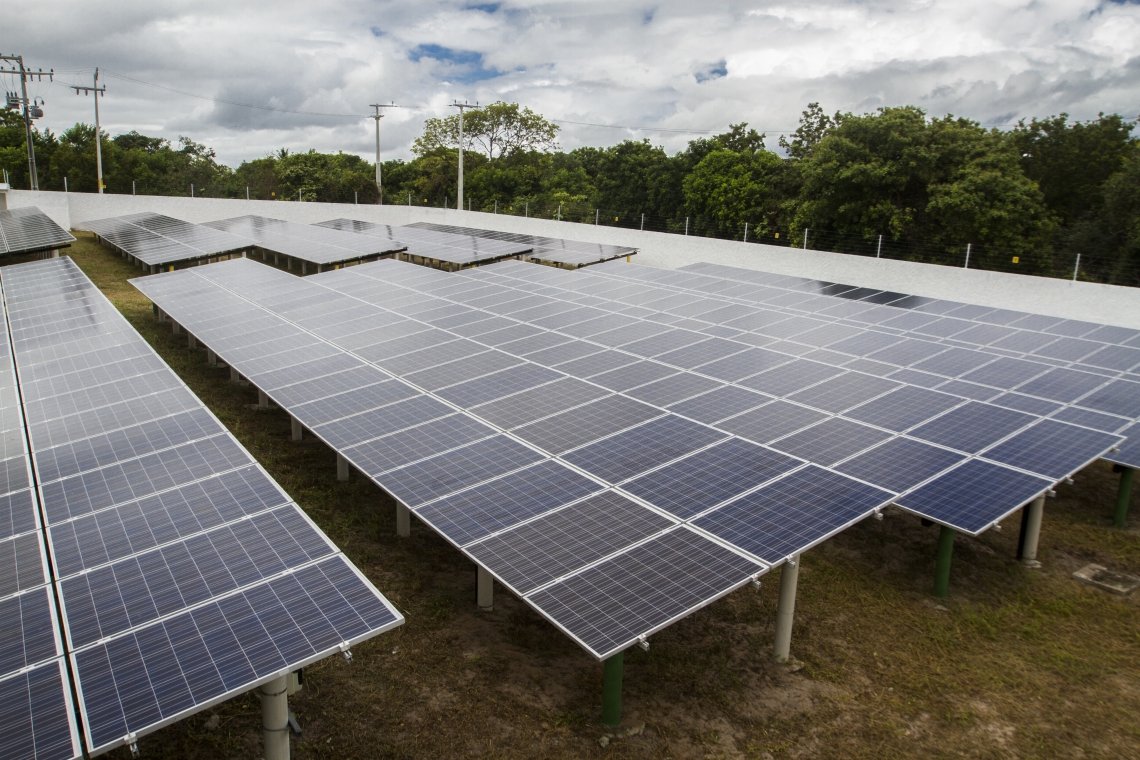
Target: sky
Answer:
[[666, 71]]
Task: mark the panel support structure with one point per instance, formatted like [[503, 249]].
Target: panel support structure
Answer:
[[175, 328], [942, 567], [485, 589], [275, 718], [234, 376], [191, 341], [1034, 511], [611, 689], [211, 358], [786, 609], [262, 399], [341, 468], [1123, 496], [403, 521], [298, 431]]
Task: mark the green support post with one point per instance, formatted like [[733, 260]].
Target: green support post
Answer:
[[942, 569], [611, 689], [1123, 496]]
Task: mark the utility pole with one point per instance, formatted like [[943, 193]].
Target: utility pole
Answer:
[[31, 110], [378, 116], [461, 106], [98, 133]]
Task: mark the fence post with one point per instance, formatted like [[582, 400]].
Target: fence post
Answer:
[[746, 232], [686, 225], [191, 189], [355, 197], [1077, 267], [133, 188], [496, 205], [967, 255], [65, 184], [597, 213], [879, 251], [643, 222], [560, 212], [526, 210], [409, 200], [805, 237]]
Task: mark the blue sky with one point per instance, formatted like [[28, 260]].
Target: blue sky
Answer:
[[665, 70]]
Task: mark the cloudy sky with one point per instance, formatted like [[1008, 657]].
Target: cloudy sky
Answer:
[[666, 70]]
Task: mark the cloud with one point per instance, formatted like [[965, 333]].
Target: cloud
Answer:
[[667, 65]]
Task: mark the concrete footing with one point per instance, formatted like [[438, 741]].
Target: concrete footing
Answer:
[[298, 431], [403, 521], [1034, 511], [175, 328], [485, 589], [786, 609], [234, 376], [341, 468], [191, 341], [262, 399], [275, 718], [211, 358]]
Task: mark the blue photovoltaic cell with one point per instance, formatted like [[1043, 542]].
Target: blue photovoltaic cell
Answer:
[[790, 378], [743, 364], [974, 495], [1064, 385], [1095, 420], [607, 606], [1006, 372], [972, 427], [502, 503], [843, 392], [165, 670], [719, 403], [504, 383], [27, 631], [1129, 454], [378, 422], [899, 464], [830, 441], [771, 421], [566, 540], [1119, 397], [35, 715], [1054, 449], [793, 513], [632, 375], [707, 478], [426, 440], [626, 454], [1029, 404], [432, 478], [904, 408]]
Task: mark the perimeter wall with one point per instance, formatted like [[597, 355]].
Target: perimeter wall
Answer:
[[1109, 304]]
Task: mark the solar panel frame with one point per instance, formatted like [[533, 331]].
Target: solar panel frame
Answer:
[[29, 230]]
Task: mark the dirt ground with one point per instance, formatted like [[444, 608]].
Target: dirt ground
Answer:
[[1018, 663]]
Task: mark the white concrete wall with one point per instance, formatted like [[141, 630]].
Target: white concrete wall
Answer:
[[1109, 304]]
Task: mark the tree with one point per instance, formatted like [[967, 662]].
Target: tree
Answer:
[[501, 130], [728, 189], [738, 140], [814, 126]]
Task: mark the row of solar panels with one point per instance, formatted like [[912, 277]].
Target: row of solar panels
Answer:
[[553, 430], [29, 230], [157, 241], [146, 559], [568, 253]]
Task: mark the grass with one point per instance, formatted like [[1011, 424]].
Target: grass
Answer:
[[1018, 663]]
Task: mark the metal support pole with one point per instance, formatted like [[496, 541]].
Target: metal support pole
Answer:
[[942, 567], [341, 468], [968, 246], [611, 689], [485, 590], [298, 431], [597, 213], [805, 237], [211, 358], [234, 376], [1077, 267], [262, 399], [403, 521], [686, 225], [275, 718], [1123, 496], [643, 222], [786, 609], [54, 253], [879, 250], [303, 267], [175, 328], [746, 232], [1034, 511], [191, 341], [98, 138]]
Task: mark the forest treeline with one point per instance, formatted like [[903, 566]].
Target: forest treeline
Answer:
[[895, 182]]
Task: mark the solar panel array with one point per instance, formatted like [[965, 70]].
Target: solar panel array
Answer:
[[185, 574], [306, 242], [430, 247], [37, 719], [158, 240], [531, 402], [28, 230], [568, 253]]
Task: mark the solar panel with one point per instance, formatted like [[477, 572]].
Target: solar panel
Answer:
[[28, 230], [316, 245], [568, 253], [162, 528], [432, 247], [156, 240]]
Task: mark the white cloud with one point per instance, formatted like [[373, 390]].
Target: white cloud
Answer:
[[671, 65]]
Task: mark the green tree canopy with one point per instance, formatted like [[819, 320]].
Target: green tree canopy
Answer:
[[501, 130]]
